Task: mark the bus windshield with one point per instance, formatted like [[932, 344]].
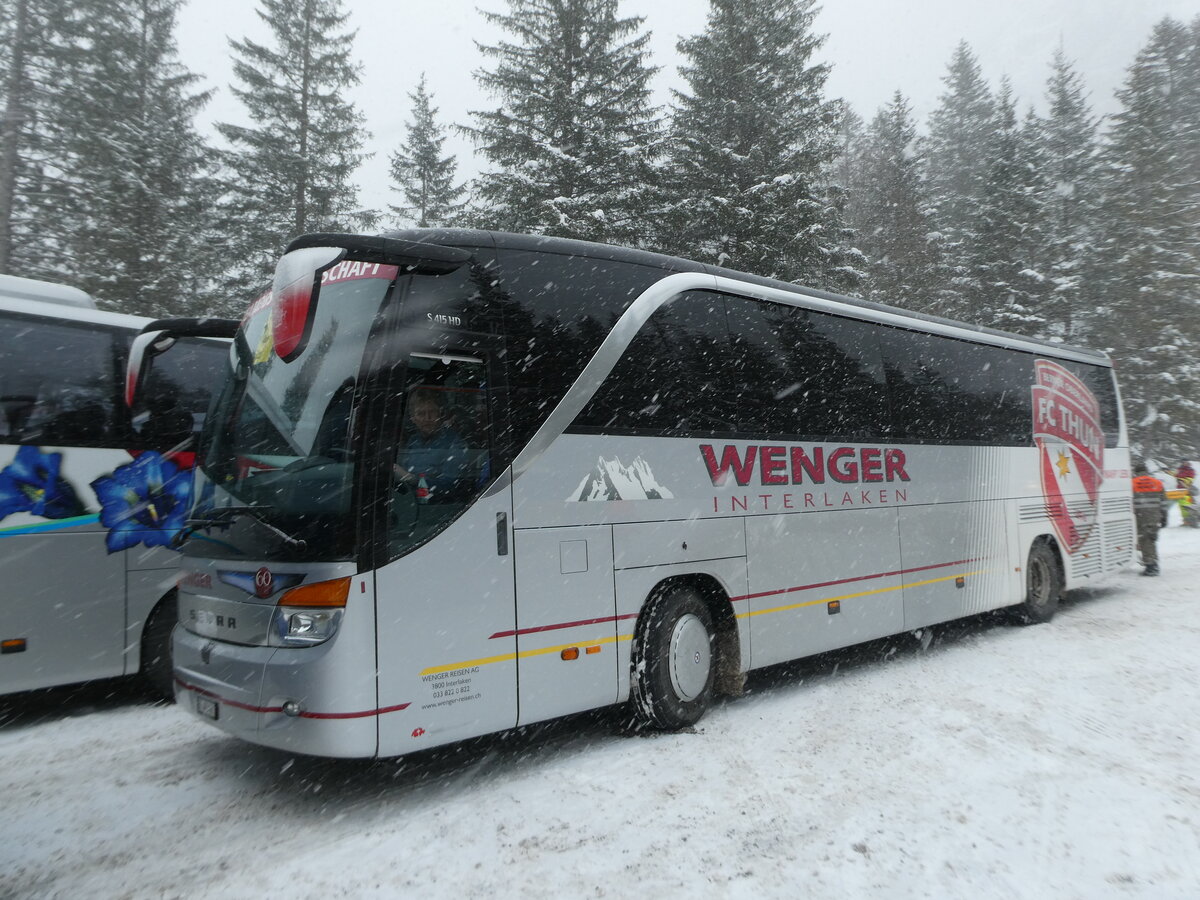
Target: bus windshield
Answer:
[[278, 469]]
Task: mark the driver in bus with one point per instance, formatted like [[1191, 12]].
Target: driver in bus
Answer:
[[434, 459]]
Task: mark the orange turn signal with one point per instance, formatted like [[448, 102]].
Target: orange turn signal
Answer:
[[570, 653], [322, 593], [590, 650]]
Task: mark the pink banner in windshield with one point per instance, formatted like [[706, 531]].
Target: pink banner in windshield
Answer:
[[348, 270]]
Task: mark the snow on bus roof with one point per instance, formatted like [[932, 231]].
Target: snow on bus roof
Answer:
[[45, 291]]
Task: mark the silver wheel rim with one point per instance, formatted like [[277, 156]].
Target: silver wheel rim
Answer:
[[691, 657]]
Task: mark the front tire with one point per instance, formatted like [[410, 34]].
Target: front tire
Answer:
[[1043, 586], [157, 668], [674, 659]]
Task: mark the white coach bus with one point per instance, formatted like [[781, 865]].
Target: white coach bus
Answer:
[[464, 481], [91, 493]]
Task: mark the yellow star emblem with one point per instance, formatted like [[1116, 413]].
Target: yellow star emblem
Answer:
[[1064, 465]]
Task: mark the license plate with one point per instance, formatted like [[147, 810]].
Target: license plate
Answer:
[[206, 707]]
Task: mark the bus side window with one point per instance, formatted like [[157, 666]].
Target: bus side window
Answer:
[[949, 390], [673, 378], [806, 374], [174, 401], [59, 383]]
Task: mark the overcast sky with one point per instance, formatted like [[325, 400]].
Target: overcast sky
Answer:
[[874, 46]]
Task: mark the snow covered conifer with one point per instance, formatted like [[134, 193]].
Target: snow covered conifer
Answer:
[[754, 143], [420, 172], [1065, 145], [36, 73], [1007, 288], [570, 151], [890, 215], [1146, 265], [957, 152], [289, 170], [140, 178]]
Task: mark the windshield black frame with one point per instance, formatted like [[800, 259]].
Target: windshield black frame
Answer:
[[312, 503]]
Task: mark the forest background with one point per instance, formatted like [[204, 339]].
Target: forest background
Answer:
[[1055, 223]]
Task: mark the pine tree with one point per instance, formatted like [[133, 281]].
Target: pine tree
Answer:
[[110, 190], [889, 213], [14, 46], [420, 172], [141, 178], [571, 148], [1146, 266], [753, 145], [289, 171], [1008, 287], [37, 69], [957, 152], [1066, 147]]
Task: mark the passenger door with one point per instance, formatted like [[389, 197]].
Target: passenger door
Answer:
[[446, 639]]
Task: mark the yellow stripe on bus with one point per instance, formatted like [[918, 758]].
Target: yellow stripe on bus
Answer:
[[912, 584], [542, 651], [524, 654]]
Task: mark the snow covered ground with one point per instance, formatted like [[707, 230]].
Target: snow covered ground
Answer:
[[1049, 761]]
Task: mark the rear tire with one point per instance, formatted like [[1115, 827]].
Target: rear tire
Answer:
[[674, 659], [157, 669], [1043, 586]]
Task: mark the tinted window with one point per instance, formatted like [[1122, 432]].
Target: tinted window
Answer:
[[806, 374], [174, 400], [955, 391], [58, 384], [676, 375], [1101, 383], [557, 311]]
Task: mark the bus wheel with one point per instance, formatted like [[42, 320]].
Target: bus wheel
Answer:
[[157, 672], [1043, 586], [673, 664]]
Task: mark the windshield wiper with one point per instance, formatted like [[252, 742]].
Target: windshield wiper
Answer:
[[227, 515]]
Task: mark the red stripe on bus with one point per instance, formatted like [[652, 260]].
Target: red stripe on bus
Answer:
[[540, 628], [354, 715], [791, 590], [225, 700], [278, 709], [822, 584]]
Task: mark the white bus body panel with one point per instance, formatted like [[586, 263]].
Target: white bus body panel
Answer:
[[565, 603], [60, 588], [447, 644], [335, 693]]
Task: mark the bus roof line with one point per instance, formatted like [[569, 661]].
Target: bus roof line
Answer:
[[885, 315], [84, 314], [504, 240]]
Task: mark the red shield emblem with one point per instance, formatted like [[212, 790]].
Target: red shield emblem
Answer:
[[1066, 428], [264, 583]]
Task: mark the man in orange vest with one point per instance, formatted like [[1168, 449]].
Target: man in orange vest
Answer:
[[1148, 494]]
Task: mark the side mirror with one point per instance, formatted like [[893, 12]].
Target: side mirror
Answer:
[[294, 296], [145, 347]]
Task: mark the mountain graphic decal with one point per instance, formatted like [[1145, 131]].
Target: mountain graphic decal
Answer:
[[611, 480]]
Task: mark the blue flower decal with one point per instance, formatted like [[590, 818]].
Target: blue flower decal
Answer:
[[144, 502], [31, 483]]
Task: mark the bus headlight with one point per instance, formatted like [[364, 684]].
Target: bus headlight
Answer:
[[298, 627], [309, 614]]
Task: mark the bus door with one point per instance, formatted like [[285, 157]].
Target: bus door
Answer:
[[446, 642]]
